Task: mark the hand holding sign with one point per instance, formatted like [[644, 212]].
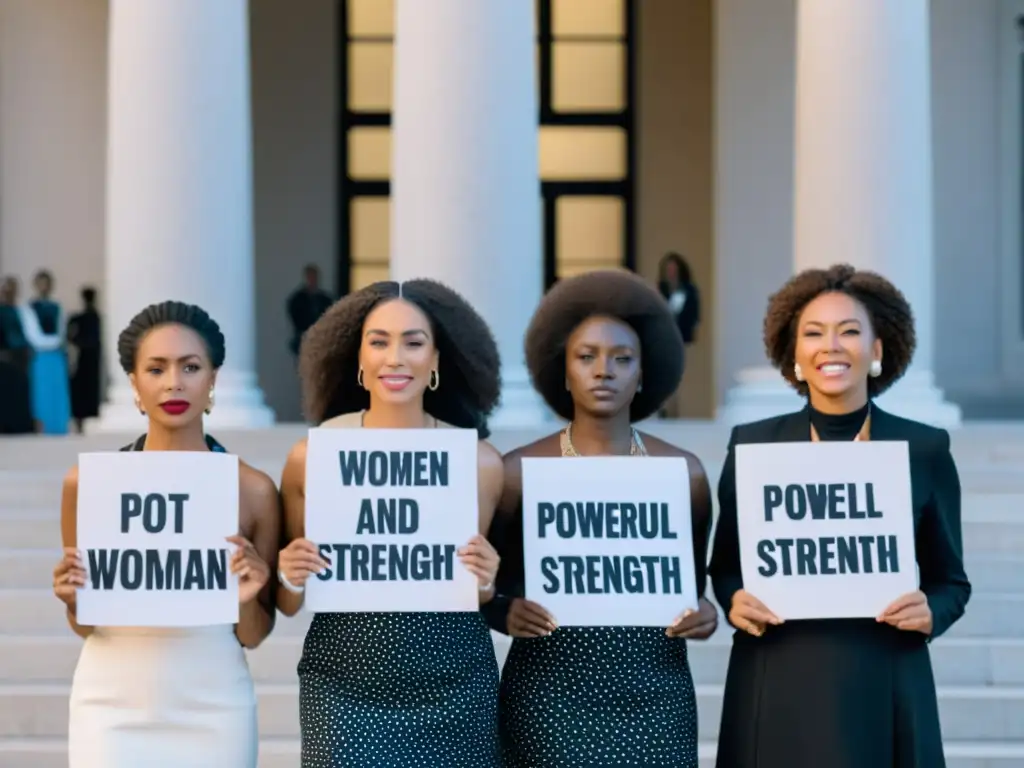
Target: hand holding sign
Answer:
[[252, 571], [69, 577], [481, 559], [910, 612], [300, 560], [527, 619], [749, 614], [696, 625]]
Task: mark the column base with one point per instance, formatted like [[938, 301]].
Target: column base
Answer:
[[238, 405], [916, 397], [521, 406], [759, 393]]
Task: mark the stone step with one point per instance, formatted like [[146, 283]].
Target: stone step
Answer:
[[966, 713], [29, 659], [284, 753], [36, 611]]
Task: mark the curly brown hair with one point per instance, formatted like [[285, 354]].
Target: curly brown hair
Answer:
[[891, 320], [610, 293], [469, 366]]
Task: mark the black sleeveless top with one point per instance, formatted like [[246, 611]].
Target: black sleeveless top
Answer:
[[139, 444]]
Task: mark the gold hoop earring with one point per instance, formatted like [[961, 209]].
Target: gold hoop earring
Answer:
[[209, 407], [435, 381], [359, 379]]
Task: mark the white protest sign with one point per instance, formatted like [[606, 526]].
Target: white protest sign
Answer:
[[826, 530], [388, 508], [151, 528], [607, 540]]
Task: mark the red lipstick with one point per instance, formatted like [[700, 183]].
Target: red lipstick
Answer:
[[175, 407]]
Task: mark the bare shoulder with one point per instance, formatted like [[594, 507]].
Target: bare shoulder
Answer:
[[487, 456], [547, 446], [298, 452], [256, 484], [658, 447], [71, 479]]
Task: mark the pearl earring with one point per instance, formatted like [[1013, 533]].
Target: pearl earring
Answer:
[[876, 369], [798, 372]]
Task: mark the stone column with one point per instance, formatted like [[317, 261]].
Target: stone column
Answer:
[[179, 188], [863, 174], [465, 182]]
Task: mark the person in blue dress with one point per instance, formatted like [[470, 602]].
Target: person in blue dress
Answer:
[[409, 690], [604, 351], [42, 321]]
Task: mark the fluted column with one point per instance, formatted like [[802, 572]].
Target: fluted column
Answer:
[[465, 182], [179, 187], [863, 173]]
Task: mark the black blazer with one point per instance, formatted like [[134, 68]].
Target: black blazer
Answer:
[[935, 490]]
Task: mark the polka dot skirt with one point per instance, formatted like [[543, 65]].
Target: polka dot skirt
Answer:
[[407, 690], [598, 696]]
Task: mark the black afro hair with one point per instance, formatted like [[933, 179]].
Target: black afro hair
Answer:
[[610, 293]]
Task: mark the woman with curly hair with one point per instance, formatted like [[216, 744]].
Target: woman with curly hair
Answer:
[[172, 697], [604, 351], [843, 693], [408, 689]]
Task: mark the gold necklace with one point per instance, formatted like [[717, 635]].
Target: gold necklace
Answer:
[[636, 443]]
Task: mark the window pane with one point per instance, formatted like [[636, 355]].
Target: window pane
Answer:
[[371, 18], [564, 270], [370, 76], [370, 229], [572, 153], [361, 276], [589, 230], [588, 18], [588, 77], [369, 152]]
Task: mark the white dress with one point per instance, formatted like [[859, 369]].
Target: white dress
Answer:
[[162, 698]]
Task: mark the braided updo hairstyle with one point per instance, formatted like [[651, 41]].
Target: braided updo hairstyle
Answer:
[[170, 313]]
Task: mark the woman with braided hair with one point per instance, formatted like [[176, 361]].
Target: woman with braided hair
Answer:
[[842, 693], [167, 698], [604, 351]]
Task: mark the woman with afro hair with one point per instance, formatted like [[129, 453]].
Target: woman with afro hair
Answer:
[[402, 689], [842, 693], [604, 351], [151, 697]]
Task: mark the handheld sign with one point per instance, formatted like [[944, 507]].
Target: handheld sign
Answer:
[[151, 528], [826, 530], [388, 509], [607, 540]]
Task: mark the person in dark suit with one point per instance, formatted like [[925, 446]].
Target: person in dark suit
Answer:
[[849, 693], [306, 305], [675, 283]]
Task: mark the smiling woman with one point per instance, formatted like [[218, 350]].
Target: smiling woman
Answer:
[[419, 687], [862, 689]]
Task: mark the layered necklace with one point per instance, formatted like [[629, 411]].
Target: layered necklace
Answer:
[[636, 443]]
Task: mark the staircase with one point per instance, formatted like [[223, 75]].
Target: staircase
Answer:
[[979, 664]]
